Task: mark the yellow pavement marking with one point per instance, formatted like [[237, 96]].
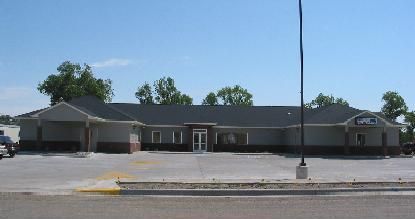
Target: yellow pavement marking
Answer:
[[115, 175], [144, 162], [104, 191]]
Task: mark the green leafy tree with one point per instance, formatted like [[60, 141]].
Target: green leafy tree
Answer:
[[235, 96], [325, 100], [8, 120], [185, 100], [73, 80], [341, 101], [145, 94], [165, 92], [410, 120], [210, 99], [394, 105]]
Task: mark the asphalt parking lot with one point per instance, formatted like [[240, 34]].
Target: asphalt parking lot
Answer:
[[60, 172]]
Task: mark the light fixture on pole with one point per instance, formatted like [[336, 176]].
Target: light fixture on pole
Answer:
[[301, 169]]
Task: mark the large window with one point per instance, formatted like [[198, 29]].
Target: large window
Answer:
[[232, 138], [156, 137], [177, 137]]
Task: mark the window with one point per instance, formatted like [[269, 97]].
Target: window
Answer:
[[360, 139], [232, 138], [156, 137], [177, 137]]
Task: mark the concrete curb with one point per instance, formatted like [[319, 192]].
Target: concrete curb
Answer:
[[265, 192]]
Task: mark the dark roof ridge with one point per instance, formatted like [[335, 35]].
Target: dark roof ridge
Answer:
[[200, 105], [323, 109], [122, 112]]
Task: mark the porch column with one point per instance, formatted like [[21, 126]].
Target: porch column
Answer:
[[87, 137], [346, 141], [190, 140], [39, 135], [385, 142]]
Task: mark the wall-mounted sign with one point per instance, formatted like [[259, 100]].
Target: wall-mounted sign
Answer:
[[366, 121]]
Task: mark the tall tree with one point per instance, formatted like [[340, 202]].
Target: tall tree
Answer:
[[325, 100], [410, 120], [394, 105], [8, 120], [73, 80], [165, 92], [210, 99], [145, 94], [235, 96]]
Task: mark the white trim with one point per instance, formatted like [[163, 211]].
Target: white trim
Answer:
[[316, 125], [152, 137], [82, 112], [115, 121], [373, 114], [166, 126], [199, 131], [247, 138], [246, 127], [61, 103], [181, 137], [20, 118], [200, 123]]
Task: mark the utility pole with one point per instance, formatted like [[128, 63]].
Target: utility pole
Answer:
[[302, 169]]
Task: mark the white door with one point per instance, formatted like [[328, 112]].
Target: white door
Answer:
[[199, 140]]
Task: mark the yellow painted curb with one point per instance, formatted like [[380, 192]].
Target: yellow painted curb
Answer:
[[102, 191]]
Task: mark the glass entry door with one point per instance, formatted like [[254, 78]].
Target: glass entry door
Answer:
[[199, 140]]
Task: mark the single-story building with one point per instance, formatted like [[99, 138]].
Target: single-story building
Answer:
[[88, 124], [10, 130]]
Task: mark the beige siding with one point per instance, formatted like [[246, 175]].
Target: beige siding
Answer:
[[58, 131], [373, 136], [63, 113], [393, 136], [324, 136], [166, 134], [256, 136], [28, 129], [114, 132]]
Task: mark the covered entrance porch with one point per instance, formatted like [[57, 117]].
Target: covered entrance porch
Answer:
[[201, 137]]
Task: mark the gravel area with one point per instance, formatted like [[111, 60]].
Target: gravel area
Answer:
[[169, 185]]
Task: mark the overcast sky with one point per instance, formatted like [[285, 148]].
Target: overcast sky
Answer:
[[353, 49]]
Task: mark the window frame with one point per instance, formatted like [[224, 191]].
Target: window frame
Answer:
[[181, 137], [236, 133], [152, 137]]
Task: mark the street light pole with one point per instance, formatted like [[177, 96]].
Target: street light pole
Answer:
[[302, 82]]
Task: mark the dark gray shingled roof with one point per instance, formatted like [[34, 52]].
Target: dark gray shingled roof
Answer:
[[27, 115], [332, 114], [257, 116], [95, 107], [245, 116]]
